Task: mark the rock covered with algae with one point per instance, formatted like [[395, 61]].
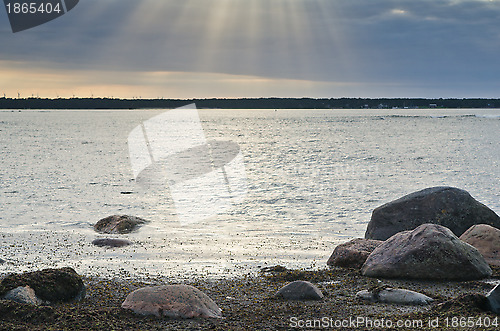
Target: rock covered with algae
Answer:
[[118, 224], [50, 285]]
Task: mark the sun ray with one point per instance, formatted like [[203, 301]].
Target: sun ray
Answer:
[[278, 40], [342, 55]]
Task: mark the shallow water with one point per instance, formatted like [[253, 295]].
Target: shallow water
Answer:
[[313, 178]]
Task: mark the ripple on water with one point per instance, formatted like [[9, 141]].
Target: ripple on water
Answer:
[[314, 176]]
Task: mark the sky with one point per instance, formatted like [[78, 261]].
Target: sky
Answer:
[[258, 48]]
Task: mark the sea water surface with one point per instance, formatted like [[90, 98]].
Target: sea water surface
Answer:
[[313, 177]]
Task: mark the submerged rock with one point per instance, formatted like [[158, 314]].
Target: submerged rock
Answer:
[[275, 268], [394, 295], [23, 294], [177, 301], [428, 252], [353, 254], [451, 207], [111, 242], [486, 239], [493, 300], [299, 290], [118, 224], [469, 304], [53, 285]]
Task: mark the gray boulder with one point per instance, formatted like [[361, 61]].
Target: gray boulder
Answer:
[[429, 252], [353, 254], [23, 294], [177, 301], [52, 285], [118, 224], [493, 300], [299, 290], [486, 239], [451, 207]]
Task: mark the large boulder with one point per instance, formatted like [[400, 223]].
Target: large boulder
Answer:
[[352, 254], [451, 207], [177, 301], [299, 290], [429, 252], [118, 224], [486, 239], [53, 285]]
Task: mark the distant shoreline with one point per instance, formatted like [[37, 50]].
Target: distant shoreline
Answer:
[[246, 103]]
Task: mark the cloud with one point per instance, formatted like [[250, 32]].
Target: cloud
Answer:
[[149, 84], [416, 46]]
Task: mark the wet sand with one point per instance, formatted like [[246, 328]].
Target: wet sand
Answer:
[[247, 304]]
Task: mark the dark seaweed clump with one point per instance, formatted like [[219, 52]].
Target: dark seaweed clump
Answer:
[[54, 285]]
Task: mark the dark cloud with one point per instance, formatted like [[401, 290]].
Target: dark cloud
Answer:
[[438, 45]]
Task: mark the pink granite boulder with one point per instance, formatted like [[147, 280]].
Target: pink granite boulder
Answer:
[[486, 239], [429, 252], [175, 301], [353, 254]]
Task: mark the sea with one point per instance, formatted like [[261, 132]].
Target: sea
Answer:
[[311, 180]]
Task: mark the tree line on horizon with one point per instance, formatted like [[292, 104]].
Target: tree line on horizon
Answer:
[[245, 103]]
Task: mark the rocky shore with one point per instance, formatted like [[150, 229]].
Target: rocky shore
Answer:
[[248, 303], [415, 274]]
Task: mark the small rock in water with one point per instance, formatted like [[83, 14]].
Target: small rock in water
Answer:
[[353, 254], [493, 300], [276, 268], [2, 261], [23, 294], [299, 290], [118, 224], [394, 295], [53, 285], [110, 242], [486, 239], [177, 301]]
